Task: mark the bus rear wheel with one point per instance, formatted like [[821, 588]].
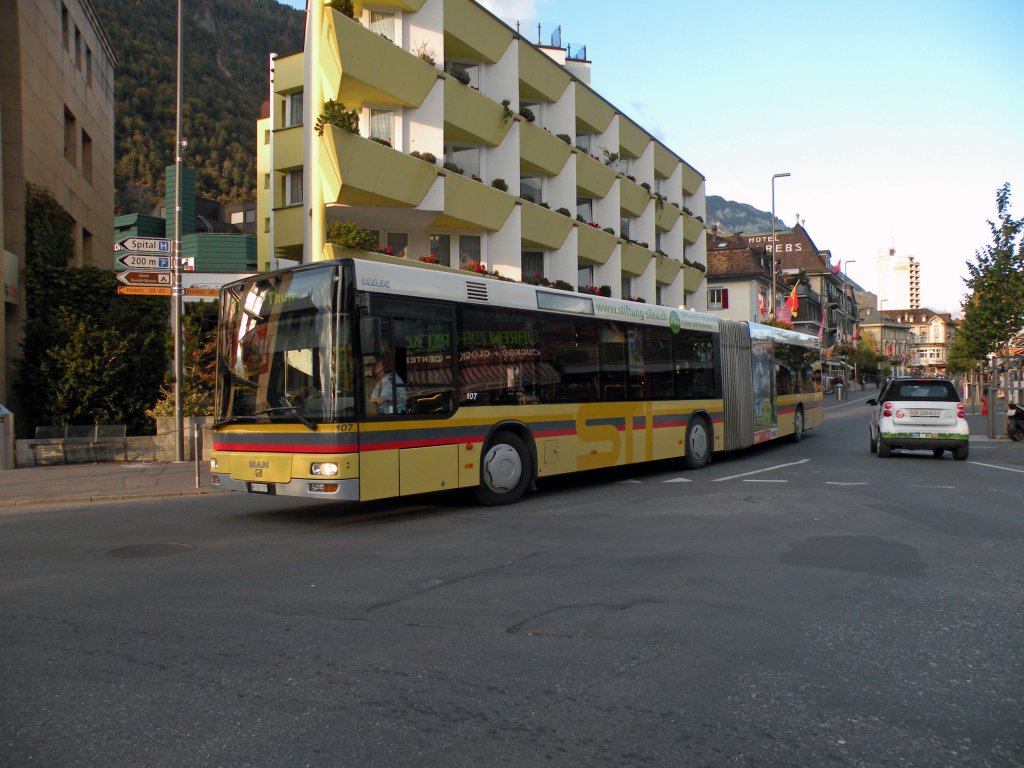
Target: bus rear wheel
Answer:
[[698, 444], [505, 470], [798, 425]]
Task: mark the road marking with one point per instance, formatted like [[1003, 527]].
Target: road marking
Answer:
[[993, 466], [943, 487], [759, 471], [679, 480], [832, 482], [628, 482], [766, 481]]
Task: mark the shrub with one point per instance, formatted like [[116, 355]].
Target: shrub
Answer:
[[349, 235], [335, 114], [499, 184], [527, 114]]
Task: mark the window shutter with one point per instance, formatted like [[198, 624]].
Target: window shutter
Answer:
[[725, 298]]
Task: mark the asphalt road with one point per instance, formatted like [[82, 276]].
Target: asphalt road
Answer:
[[794, 605]]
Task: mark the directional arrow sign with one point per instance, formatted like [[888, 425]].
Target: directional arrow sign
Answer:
[[145, 260], [146, 244], [134, 277]]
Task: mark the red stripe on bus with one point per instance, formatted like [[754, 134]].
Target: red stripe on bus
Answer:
[[283, 448]]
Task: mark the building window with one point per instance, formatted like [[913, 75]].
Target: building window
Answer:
[[266, 181], [583, 142], [78, 47], [88, 65], [584, 276], [382, 125], [70, 137], [531, 188], [237, 217], [398, 242], [86, 247], [266, 137], [469, 250], [585, 208], [627, 287], [293, 187], [624, 227], [466, 159], [293, 109], [718, 298], [65, 26], [250, 216], [266, 224], [383, 24], [87, 157], [533, 263], [441, 247]]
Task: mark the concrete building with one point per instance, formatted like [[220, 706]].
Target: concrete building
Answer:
[[899, 282], [57, 132], [473, 144], [931, 333]]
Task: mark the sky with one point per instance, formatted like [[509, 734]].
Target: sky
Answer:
[[898, 119]]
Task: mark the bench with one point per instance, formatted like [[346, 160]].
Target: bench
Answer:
[[76, 438]]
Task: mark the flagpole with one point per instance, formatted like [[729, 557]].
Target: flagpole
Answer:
[[772, 294]]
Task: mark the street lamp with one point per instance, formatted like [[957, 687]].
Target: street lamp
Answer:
[[772, 294]]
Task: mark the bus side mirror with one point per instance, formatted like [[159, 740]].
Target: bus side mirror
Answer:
[[369, 335]]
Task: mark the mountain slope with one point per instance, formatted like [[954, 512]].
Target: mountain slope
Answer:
[[739, 217], [226, 48]]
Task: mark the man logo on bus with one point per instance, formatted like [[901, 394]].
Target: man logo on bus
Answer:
[[675, 323]]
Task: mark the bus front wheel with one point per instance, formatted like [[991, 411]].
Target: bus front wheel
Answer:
[[505, 470], [698, 444]]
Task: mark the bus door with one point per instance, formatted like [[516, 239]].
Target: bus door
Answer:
[[408, 389]]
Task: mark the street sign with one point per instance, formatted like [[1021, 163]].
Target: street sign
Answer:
[[143, 290], [135, 277], [144, 260], [202, 291], [146, 245]]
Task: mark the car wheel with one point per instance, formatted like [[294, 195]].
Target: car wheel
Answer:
[[960, 454], [505, 470], [698, 444], [872, 443], [798, 426], [884, 451], [937, 453]]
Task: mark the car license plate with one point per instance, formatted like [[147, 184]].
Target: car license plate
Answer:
[[928, 413], [261, 488]]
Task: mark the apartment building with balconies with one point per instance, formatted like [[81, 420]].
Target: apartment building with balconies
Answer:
[[472, 144]]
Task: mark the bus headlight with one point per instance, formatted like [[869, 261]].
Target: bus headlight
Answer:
[[214, 465], [323, 469]]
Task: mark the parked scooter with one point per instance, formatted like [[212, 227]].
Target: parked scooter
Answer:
[[1015, 421]]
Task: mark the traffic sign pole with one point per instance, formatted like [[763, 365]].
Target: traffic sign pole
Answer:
[[179, 425]]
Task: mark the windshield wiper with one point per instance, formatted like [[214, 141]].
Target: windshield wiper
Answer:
[[286, 407]]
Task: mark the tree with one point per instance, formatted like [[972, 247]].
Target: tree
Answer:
[[88, 355], [995, 309]]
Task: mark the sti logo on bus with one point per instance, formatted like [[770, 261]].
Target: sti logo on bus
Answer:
[[675, 323]]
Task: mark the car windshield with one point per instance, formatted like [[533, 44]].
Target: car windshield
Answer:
[[922, 390]]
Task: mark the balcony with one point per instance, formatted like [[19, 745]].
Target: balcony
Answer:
[[635, 258], [365, 68], [288, 148], [633, 140], [692, 278], [357, 171], [691, 180], [471, 204], [593, 114], [289, 231], [471, 117], [693, 230], [540, 79], [541, 152], [665, 215], [664, 161], [633, 198], [593, 178], [594, 246], [472, 34], [666, 269], [543, 228]]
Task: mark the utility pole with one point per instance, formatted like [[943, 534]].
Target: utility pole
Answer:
[[179, 428]]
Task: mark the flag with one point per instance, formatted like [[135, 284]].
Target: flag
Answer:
[[856, 333], [784, 314], [838, 267], [792, 303], [760, 304], [821, 328]]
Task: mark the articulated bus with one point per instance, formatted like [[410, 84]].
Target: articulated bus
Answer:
[[358, 379]]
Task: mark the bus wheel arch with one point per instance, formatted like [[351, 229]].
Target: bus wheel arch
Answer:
[[699, 442], [507, 464]]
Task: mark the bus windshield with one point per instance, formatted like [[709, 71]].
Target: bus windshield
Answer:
[[281, 348]]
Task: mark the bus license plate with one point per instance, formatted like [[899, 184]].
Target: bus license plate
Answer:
[[261, 488]]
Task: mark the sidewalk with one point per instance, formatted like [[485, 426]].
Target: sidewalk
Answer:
[[106, 481]]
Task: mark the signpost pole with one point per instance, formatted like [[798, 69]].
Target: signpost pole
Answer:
[[176, 303]]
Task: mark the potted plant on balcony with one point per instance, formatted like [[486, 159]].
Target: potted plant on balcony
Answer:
[[335, 114], [499, 184]]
